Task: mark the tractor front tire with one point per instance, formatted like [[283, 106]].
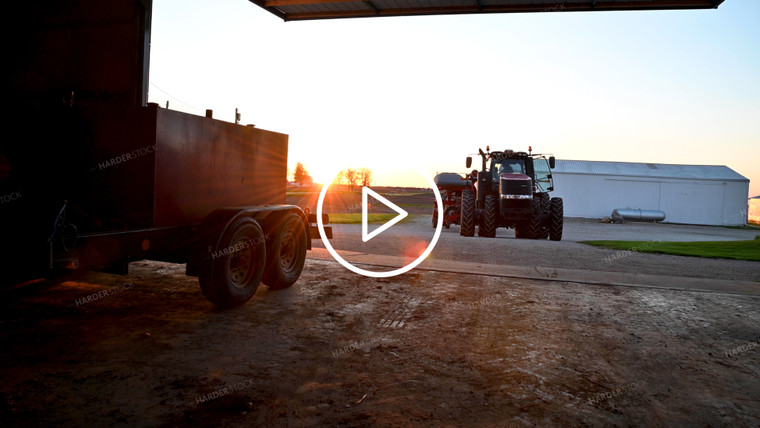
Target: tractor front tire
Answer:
[[534, 225], [488, 227], [468, 214], [557, 219], [237, 264]]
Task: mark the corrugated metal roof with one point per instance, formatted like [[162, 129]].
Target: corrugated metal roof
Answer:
[[653, 170], [292, 10]]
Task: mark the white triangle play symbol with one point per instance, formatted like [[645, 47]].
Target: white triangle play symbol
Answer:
[[401, 214]]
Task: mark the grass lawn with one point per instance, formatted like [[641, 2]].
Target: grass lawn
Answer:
[[737, 250], [402, 194], [356, 218], [416, 205]]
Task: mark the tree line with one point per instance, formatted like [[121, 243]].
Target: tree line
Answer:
[[351, 177]]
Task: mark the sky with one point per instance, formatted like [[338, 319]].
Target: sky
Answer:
[[400, 93]]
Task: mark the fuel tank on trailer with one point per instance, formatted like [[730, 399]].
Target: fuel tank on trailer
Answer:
[[154, 167]]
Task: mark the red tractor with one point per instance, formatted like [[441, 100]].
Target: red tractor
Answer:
[[451, 186], [512, 190]]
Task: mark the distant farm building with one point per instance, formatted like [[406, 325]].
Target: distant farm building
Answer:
[[690, 194]]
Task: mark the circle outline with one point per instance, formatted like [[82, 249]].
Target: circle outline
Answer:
[[391, 273]]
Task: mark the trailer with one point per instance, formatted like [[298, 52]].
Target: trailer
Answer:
[[101, 178]]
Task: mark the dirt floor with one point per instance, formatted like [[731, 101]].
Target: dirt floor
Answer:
[[337, 349], [427, 348]]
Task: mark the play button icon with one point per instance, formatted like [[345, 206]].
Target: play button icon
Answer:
[[401, 214], [366, 235]]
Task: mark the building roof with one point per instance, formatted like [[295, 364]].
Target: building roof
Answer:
[[292, 10], [652, 170]]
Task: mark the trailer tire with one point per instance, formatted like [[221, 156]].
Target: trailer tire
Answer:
[[468, 214], [237, 264], [557, 219], [287, 253], [490, 217]]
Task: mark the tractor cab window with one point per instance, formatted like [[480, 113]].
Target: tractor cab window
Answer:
[[543, 175], [508, 166]]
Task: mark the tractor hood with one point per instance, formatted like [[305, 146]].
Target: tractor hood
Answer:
[[515, 186]]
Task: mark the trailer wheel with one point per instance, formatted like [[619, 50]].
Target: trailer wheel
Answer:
[[287, 253], [237, 264], [468, 214], [488, 227], [557, 219], [451, 212]]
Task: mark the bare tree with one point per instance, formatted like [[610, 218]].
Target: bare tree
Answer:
[[351, 178], [365, 176]]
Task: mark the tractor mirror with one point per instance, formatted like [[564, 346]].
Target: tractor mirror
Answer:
[[552, 162], [469, 162]]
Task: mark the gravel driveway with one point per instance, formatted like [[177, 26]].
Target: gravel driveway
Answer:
[[408, 237]]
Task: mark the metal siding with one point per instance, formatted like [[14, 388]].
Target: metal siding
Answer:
[[705, 204], [690, 201], [203, 164]]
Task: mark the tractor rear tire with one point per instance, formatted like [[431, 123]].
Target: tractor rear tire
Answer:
[[468, 214], [534, 223], [557, 219], [435, 218], [287, 254], [490, 217], [235, 274]]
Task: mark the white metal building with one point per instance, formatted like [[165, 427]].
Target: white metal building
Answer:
[[692, 194]]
